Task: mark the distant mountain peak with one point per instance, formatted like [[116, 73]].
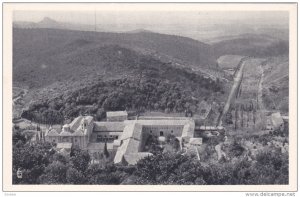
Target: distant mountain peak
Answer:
[[47, 20]]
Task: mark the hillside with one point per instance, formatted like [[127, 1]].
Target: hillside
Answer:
[[257, 45], [116, 78], [276, 84], [229, 61], [48, 55]]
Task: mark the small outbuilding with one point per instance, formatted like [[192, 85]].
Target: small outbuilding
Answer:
[[117, 116]]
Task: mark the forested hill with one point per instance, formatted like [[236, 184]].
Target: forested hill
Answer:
[[255, 45], [111, 77], [43, 56]]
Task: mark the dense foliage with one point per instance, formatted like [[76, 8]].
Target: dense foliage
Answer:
[[40, 164], [154, 94]]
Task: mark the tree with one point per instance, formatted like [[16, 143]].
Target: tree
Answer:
[[168, 168], [107, 175], [74, 176], [31, 159], [105, 151], [61, 158], [80, 159], [173, 142], [152, 145], [100, 114], [228, 117], [18, 136], [55, 173], [254, 116]]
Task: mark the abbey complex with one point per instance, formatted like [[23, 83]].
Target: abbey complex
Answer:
[[126, 138]]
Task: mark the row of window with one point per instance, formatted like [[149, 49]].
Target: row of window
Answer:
[[161, 133], [105, 138]]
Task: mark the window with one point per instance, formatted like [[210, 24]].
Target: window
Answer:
[[150, 131], [117, 137], [171, 131], [161, 133]]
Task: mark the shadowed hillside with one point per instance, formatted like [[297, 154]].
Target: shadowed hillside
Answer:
[[115, 78], [49, 55]]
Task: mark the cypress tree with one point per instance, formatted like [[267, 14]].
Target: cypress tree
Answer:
[[106, 153]]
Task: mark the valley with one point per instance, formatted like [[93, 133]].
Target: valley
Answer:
[[209, 106]]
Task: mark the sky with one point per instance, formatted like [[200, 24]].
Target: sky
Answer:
[[153, 18], [200, 25]]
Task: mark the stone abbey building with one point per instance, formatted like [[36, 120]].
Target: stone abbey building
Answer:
[[125, 137]]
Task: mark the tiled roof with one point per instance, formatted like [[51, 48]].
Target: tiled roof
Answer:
[[89, 119], [130, 141], [64, 133], [75, 123], [116, 113], [133, 146], [161, 122], [74, 127], [131, 137], [108, 126], [162, 118], [52, 132], [133, 158], [132, 130], [121, 151], [78, 121]]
